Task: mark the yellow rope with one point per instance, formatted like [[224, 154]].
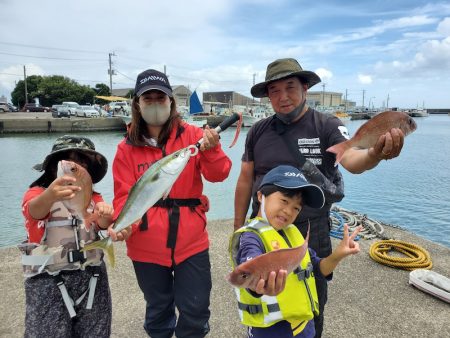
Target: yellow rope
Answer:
[[417, 257]]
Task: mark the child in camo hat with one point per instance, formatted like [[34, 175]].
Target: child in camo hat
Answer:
[[67, 291]]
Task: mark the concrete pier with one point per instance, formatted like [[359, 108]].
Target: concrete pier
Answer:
[[365, 299], [45, 123]]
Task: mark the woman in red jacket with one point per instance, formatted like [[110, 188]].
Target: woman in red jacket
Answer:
[[169, 247]]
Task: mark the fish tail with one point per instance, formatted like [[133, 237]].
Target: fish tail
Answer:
[[106, 245], [338, 149]]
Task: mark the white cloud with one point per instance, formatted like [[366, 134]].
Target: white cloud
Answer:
[[9, 76], [324, 74], [364, 79], [444, 27]]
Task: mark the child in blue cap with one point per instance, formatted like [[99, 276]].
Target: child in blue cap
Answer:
[[284, 304]]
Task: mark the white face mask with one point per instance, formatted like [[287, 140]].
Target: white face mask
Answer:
[[155, 114]]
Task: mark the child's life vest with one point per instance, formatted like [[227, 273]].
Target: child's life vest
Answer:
[[59, 250]]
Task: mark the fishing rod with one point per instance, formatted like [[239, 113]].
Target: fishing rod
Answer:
[[224, 125]]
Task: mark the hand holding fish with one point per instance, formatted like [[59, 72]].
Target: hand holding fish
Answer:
[[274, 285], [121, 235], [103, 213], [210, 138], [388, 145], [62, 188]]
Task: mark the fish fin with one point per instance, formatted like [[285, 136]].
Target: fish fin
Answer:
[[106, 245], [339, 149]]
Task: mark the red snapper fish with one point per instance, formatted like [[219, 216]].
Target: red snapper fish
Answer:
[[247, 275], [79, 204], [368, 134]]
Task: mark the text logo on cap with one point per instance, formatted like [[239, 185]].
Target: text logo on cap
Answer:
[[291, 174], [152, 77]]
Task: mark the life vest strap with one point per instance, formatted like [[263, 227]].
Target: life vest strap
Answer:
[[303, 274], [73, 222], [76, 256], [65, 295], [257, 308]]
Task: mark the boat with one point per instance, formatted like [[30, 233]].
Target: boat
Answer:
[[196, 115], [431, 282], [418, 113], [125, 118]]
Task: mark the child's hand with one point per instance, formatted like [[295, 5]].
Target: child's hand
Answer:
[[121, 235], [348, 246], [103, 209], [275, 284], [62, 188]]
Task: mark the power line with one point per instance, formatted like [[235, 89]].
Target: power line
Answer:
[[52, 58], [50, 48]]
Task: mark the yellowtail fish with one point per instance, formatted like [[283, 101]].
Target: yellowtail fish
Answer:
[[79, 204], [368, 134], [247, 275], [154, 184]]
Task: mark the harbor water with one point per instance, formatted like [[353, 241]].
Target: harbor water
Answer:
[[412, 191]]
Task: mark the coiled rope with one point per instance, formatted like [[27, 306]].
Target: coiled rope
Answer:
[[408, 256], [416, 256]]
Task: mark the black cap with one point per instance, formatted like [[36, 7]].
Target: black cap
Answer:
[[152, 79]]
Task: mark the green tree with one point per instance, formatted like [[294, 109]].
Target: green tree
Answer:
[[53, 89]]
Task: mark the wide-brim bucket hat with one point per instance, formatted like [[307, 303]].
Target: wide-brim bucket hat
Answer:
[[284, 68], [98, 164]]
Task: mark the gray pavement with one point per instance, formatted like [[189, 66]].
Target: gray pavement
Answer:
[[366, 299]]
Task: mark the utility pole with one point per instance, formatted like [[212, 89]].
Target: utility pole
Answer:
[[25, 82], [111, 71], [387, 102], [323, 94], [346, 101], [254, 76], [364, 93]]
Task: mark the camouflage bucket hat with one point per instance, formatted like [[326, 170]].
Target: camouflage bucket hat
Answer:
[[283, 68], [98, 165]]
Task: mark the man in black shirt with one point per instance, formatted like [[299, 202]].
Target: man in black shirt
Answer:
[[299, 136]]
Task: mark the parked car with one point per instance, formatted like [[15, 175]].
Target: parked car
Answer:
[[34, 107], [120, 108], [57, 111], [71, 107], [4, 107], [87, 111]]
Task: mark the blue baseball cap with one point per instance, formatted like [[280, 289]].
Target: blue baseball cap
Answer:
[[289, 177]]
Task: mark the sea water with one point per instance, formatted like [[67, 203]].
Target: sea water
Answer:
[[412, 191]]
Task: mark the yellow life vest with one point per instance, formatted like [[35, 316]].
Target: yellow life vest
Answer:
[[60, 246], [298, 302]]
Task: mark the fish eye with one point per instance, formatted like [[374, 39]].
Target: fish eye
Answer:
[[73, 169], [244, 276]]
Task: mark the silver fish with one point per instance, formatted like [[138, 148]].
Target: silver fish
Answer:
[[155, 183]]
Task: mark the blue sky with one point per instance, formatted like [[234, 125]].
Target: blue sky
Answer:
[[371, 49]]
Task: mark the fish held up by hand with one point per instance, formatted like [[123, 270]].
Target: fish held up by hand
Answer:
[[79, 204], [154, 184], [247, 275], [368, 134]]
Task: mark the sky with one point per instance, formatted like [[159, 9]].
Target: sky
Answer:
[[392, 53]]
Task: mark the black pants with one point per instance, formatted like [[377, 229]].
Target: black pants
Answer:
[[47, 316], [186, 286], [320, 242]]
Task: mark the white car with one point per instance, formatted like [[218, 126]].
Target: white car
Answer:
[[87, 111]]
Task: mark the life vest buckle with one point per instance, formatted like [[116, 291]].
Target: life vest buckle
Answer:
[[76, 256], [303, 274]]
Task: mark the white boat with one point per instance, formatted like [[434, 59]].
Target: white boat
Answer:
[[125, 118], [248, 120], [418, 113], [195, 108]]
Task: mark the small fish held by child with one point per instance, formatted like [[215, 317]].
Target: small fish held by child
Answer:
[[79, 204], [247, 274]]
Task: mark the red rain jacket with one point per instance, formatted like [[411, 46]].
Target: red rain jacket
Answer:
[[130, 163]]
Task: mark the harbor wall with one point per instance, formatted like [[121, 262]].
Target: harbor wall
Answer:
[[47, 124]]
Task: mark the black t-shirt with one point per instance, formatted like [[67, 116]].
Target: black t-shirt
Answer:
[[314, 133]]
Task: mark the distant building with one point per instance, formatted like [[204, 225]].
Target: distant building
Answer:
[[229, 97], [323, 99]]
